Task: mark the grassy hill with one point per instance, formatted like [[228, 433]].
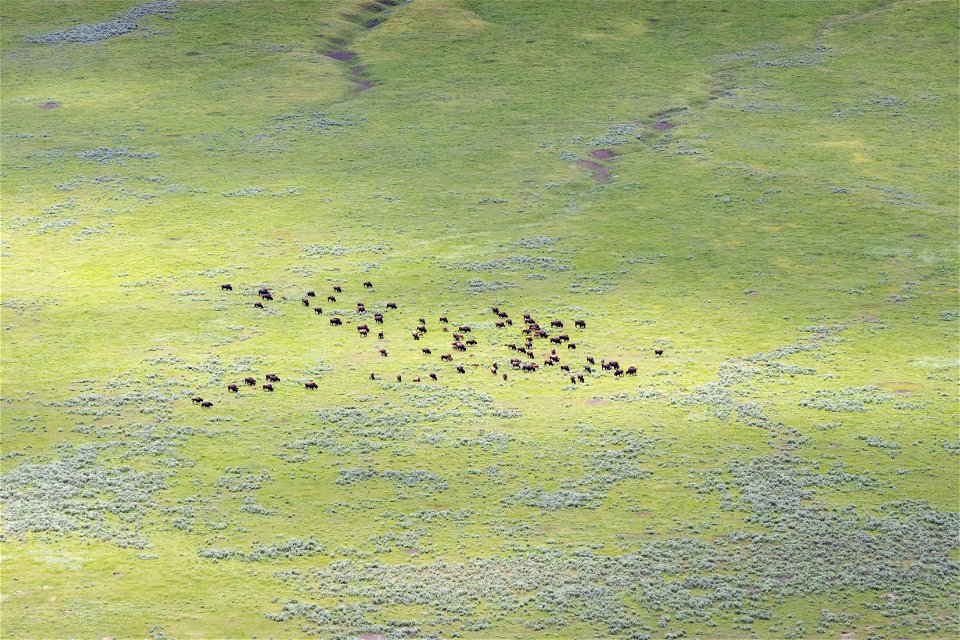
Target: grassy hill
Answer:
[[765, 191]]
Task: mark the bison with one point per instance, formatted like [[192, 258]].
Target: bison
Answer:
[[258, 305], [305, 301], [460, 369], [206, 405], [416, 336], [433, 376], [272, 377], [368, 285], [618, 373], [443, 319], [266, 296], [556, 323], [391, 305], [580, 324], [268, 387], [197, 400], [336, 321], [233, 388], [331, 298], [590, 360], [631, 371], [226, 287], [659, 352], [464, 328], [378, 318], [383, 352], [263, 291], [250, 381], [447, 357], [571, 345], [311, 294], [426, 351], [337, 288], [500, 325], [373, 376], [495, 309], [318, 311], [504, 376], [310, 384], [399, 379], [361, 308], [380, 335]]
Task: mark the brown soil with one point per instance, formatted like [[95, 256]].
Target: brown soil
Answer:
[[48, 105], [340, 54], [602, 154], [362, 84], [662, 126], [600, 173]]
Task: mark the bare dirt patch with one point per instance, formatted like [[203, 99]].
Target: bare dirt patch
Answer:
[[48, 105], [600, 173], [663, 125], [340, 54], [602, 154]]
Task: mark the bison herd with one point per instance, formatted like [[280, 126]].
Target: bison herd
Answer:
[[531, 332]]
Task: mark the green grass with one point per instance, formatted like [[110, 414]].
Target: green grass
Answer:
[[807, 196]]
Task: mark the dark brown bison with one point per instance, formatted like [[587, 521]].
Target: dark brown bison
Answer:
[[361, 308], [471, 342], [311, 294], [416, 336], [530, 366], [512, 346], [305, 302], [391, 305], [580, 324], [250, 381], [631, 371], [362, 327], [422, 328], [618, 373], [378, 318], [555, 340], [331, 298], [564, 337], [368, 284], [464, 328], [196, 400], [426, 351], [503, 314], [336, 321], [399, 379], [614, 364], [258, 305], [571, 345], [268, 387], [504, 376], [383, 352], [416, 379], [509, 322], [206, 405], [267, 296], [310, 384], [226, 287], [565, 367], [318, 311], [263, 291], [337, 288], [659, 352], [526, 316], [364, 333], [373, 376], [422, 320], [580, 377], [457, 336], [459, 346], [500, 325], [233, 388], [433, 376], [590, 360], [495, 309], [443, 319], [573, 379], [588, 369], [272, 377], [556, 323], [446, 356], [380, 335], [460, 369]]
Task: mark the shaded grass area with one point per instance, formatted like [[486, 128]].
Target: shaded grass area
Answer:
[[779, 216]]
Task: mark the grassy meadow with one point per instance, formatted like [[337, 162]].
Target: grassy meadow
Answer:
[[765, 191]]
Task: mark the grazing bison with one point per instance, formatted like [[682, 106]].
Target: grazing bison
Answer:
[[226, 287], [272, 377], [614, 364], [459, 346], [580, 377], [373, 376], [362, 327], [556, 323], [361, 308], [233, 388], [380, 335], [263, 291], [416, 379], [383, 352], [364, 333], [250, 381], [631, 371], [504, 376], [305, 301], [416, 336], [512, 346], [500, 325], [503, 314], [258, 305], [659, 352], [588, 369], [495, 309], [433, 376], [310, 384], [555, 340], [337, 288], [571, 345], [311, 294], [464, 328], [422, 328], [399, 379], [565, 367], [206, 405], [331, 298], [515, 363], [564, 337], [426, 351], [618, 373], [443, 319], [590, 360], [268, 387], [391, 305], [580, 324], [460, 369], [266, 296], [378, 318], [318, 311], [573, 379], [197, 400], [446, 356], [530, 366], [509, 322], [336, 321], [368, 284], [471, 342], [526, 316], [457, 336], [422, 320]]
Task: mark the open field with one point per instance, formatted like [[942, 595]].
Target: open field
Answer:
[[764, 191]]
